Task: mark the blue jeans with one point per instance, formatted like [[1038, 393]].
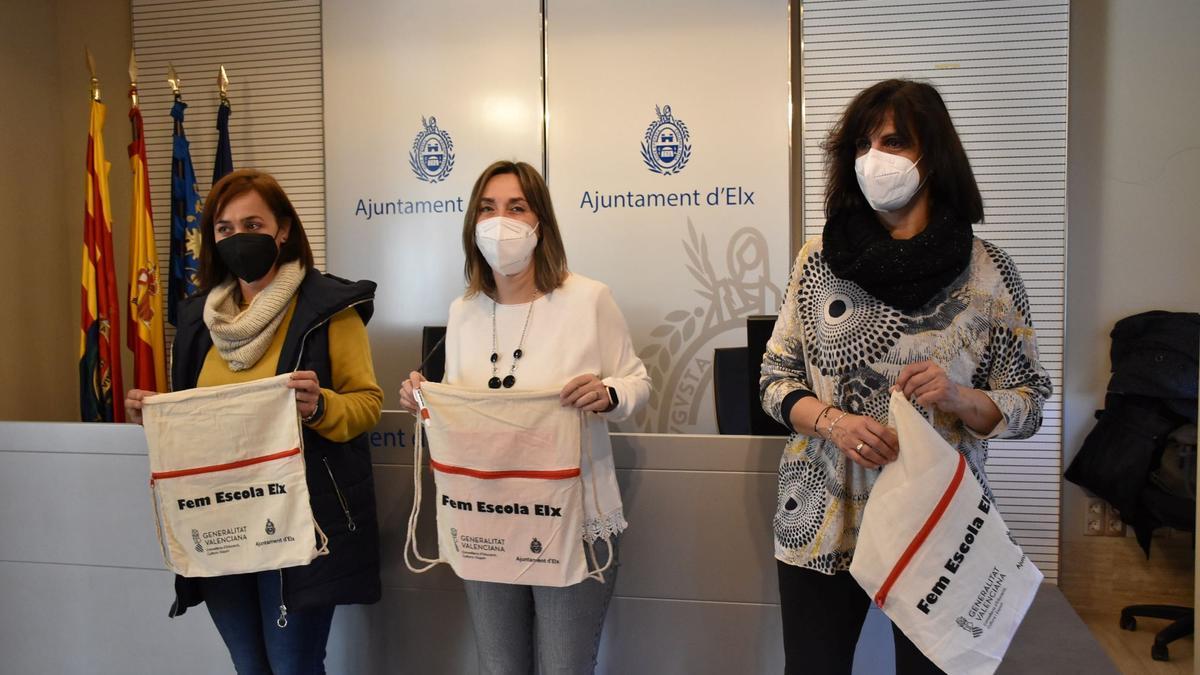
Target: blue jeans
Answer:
[[565, 621], [245, 607]]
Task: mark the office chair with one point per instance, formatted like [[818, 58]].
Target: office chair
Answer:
[[729, 390], [433, 353], [1150, 400], [758, 332], [1164, 503]]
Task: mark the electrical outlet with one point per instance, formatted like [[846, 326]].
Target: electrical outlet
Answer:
[[1095, 520], [1113, 526]]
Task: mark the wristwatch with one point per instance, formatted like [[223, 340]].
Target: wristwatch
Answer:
[[612, 400]]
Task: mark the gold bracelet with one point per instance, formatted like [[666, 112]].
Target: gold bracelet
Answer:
[[817, 421]]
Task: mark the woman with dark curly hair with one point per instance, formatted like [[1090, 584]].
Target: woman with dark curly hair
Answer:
[[896, 293]]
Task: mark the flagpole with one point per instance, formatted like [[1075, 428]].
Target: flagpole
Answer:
[[223, 161], [133, 95], [91, 64]]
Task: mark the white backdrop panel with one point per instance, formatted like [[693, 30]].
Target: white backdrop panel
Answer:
[[684, 216], [395, 194]]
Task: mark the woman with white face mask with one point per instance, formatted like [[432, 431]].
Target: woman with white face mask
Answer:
[[526, 322], [897, 293]]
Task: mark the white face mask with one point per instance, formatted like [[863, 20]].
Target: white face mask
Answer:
[[887, 181], [506, 244]]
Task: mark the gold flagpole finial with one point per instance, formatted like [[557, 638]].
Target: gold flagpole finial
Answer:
[[173, 79], [91, 64], [133, 73], [223, 85]]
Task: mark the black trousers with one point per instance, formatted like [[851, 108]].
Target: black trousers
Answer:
[[822, 617]]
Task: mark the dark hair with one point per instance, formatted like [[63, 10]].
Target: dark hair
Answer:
[[919, 112], [549, 257], [213, 271]]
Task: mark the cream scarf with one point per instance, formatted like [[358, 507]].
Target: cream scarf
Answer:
[[243, 336]]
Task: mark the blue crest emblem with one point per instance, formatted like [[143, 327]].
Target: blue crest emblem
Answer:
[[666, 147], [432, 154]]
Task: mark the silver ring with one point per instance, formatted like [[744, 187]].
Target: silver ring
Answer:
[[858, 448]]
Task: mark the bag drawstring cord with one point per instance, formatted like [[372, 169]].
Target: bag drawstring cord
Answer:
[[410, 541]]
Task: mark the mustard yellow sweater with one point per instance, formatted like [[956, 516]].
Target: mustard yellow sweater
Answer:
[[353, 401]]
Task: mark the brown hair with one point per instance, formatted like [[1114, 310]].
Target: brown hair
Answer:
[[549, 257], [212, 269], [919, 112]]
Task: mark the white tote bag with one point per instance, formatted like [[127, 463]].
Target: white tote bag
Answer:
[[509, 488], [936, 556], [227, 479]]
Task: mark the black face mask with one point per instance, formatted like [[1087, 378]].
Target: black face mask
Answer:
[[249, 255]]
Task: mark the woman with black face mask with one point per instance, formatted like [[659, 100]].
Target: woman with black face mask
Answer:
[[262, 310], [899, 294]]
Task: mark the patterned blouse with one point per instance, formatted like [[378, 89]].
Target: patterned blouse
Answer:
[[837, 341]]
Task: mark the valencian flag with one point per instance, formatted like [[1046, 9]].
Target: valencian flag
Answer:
[[185, 217], [100, 391], [144, 320], [223, 164]]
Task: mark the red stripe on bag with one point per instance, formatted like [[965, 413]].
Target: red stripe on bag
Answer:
[[224, 467], [923, 534], [558, 474]]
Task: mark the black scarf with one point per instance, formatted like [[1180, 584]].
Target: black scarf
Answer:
[[904, 273]]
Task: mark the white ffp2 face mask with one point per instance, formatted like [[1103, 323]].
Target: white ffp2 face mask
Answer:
[[506, 243], [887, 181]]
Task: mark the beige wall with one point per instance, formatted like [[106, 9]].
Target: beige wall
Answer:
[[1134, 174], [44, 134], [1134, 232]]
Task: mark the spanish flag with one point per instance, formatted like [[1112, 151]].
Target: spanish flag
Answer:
[[100, 390], [144, 320]]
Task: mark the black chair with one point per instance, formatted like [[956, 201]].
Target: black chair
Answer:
[[433, 353], [1151, 397], [758, 332], [729, 390], [1158, 506], [735, 383], [1182, 625]]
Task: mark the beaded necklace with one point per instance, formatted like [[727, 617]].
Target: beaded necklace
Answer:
[[510, 379]]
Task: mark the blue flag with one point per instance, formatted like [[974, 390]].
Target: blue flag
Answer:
[[224, 162], [186, 207]]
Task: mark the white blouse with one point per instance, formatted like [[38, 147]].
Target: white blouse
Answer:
[[574, 330]]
